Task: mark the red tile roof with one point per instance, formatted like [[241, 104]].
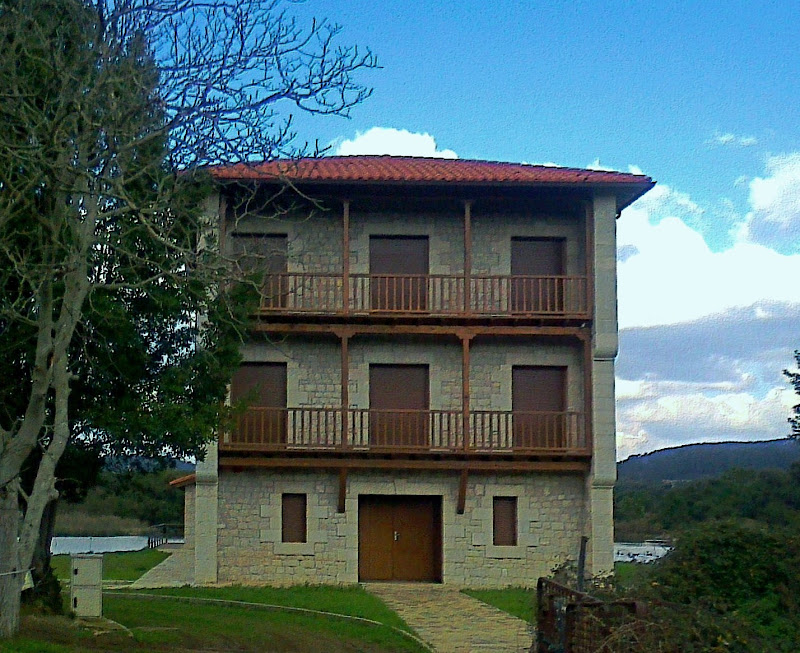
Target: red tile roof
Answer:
[[183, 481], [422, 170]]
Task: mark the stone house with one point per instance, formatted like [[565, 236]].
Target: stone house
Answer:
[[431, 377]]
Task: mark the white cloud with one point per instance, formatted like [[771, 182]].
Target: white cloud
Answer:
[[706, 333], [661, 415], [398, 142], [714, 379], [729, 139], [775, 202], [670, 275], [596, 165]]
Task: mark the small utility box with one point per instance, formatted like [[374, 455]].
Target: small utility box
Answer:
[[86, 594]]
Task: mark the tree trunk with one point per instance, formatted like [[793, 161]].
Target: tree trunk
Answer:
[[46, 591], [11, 576]]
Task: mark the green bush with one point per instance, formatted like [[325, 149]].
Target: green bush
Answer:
[[730, 564], [727, 586]]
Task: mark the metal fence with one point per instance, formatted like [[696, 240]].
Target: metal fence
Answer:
[[575, 622]]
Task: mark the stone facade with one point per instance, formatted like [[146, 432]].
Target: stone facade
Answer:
[[236, 515], [314, 244], [314, 368], [550, 521]]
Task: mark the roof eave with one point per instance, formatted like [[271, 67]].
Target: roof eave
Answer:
[[626, 192]]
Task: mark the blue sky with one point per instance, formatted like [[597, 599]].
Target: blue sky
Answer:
[[703, 97]]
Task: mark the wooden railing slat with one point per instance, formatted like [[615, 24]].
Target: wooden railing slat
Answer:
[[488, 431], [436, 294]]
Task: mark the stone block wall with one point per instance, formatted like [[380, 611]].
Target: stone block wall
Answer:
[[315, 243], [314, 368], [443, 358], [492, 361], [550, 518], [492, 234], [445, 237], [188, 516]]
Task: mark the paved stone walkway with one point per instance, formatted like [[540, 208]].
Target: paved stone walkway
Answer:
[[452, 622], [175, 571]]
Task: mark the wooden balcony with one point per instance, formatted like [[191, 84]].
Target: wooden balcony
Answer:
[[435, 432], [435, 295]]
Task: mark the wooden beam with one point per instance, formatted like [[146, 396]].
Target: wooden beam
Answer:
[[462, 492], [412, 329], [340, 506], [472, 466]]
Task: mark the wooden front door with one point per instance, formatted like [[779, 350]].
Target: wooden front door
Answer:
[[262, 386], [536, 265], [398, 269], [398, 403], [539, 401], [399, 538]]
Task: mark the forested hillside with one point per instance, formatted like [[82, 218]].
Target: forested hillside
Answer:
[[769, 497], [694, 461]]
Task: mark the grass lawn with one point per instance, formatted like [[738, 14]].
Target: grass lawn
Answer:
[[127, 565], [629, 574], [517, 601], [350, 600], [155, 624], [168, 625]]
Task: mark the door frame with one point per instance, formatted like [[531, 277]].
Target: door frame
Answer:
[[389, 502]]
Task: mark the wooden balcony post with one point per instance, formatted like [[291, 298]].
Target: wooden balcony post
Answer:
[[345, 393], [346, 257], [467, 256], [465, 389]]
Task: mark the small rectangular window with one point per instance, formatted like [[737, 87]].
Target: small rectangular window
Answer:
[[293, 518], [505, 521]]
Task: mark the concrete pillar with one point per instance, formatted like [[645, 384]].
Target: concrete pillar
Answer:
[[600, 483], [205, 511]]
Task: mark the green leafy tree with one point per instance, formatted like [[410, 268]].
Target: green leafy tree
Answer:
[[794, 379], [119, 325]]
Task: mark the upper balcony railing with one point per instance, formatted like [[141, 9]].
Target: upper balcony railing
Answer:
[[410, 431], [488, 295]]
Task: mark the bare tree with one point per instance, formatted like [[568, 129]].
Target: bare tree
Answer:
[[110, 111]]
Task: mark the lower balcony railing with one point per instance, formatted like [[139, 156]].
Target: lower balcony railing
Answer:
[[428, 431], [426, 294]]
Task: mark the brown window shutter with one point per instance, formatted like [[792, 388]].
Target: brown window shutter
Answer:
[[293, 518], [398, 267], [263, 387], [535, 265], [505, 521], [399, 401]]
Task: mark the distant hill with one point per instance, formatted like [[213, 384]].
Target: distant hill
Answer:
[[693, 461]]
